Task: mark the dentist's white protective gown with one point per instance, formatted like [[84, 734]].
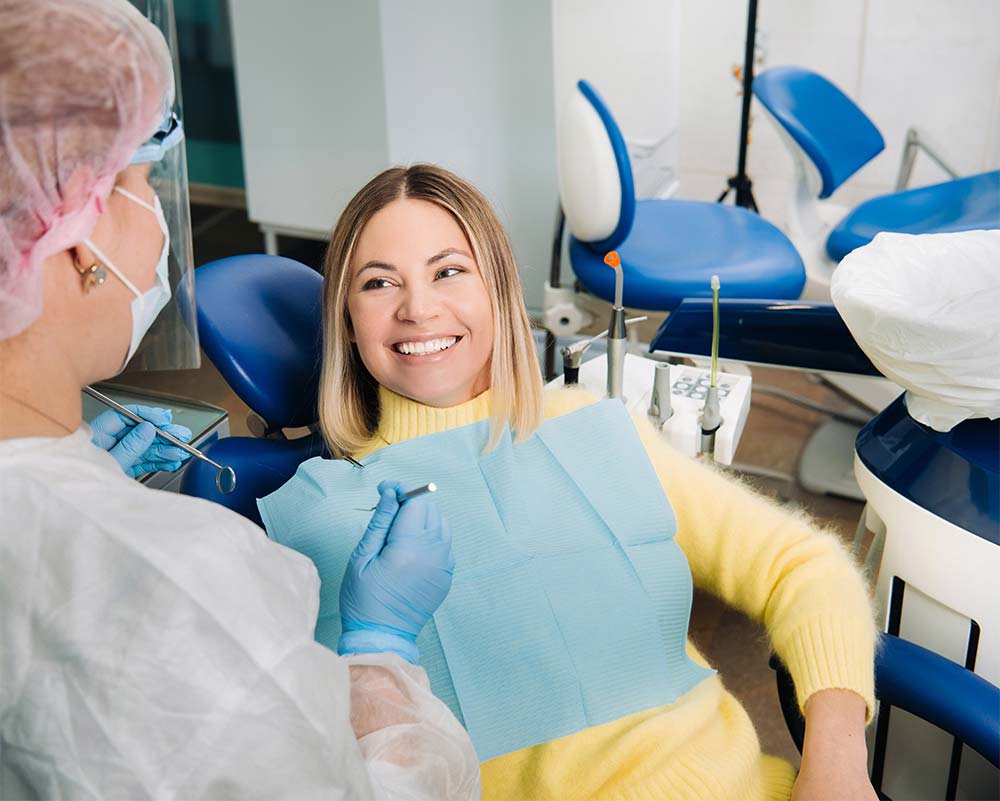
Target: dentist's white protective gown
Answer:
[[154, 645]]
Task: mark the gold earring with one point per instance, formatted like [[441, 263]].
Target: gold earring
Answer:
[[95, 275]]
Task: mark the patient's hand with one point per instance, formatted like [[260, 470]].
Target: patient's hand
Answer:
[[834, 754]]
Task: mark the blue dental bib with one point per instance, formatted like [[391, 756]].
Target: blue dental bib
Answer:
[[570, 601]]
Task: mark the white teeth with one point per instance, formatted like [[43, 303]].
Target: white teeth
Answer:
[[425, 348]]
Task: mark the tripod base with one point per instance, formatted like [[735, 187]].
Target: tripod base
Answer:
[[742, 185]]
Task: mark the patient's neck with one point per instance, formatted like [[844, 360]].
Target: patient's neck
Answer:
[[403, 418]]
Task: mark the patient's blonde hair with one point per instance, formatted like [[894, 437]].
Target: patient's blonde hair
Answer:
[[348, 396]]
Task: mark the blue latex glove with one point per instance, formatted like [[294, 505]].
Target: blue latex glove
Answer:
[[397, 576], [132, 444]]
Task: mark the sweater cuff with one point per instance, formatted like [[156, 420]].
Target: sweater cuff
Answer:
[[832, 654]]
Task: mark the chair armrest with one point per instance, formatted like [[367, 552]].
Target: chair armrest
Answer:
[[787, 333], [927, 685], [941, 692], [911, 144]]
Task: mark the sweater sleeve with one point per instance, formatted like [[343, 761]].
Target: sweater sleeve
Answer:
[[777, 567]]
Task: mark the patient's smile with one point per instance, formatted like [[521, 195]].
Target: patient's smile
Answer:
[[425, 347]]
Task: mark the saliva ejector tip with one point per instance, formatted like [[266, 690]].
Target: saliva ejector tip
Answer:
[[715, 283]]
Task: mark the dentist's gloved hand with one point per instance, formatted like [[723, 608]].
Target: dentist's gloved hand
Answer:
[[132, 444], [397, 576]]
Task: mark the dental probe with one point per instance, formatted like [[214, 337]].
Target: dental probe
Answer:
[[408, 496], [711, 415], [617, 342], [225, 479]]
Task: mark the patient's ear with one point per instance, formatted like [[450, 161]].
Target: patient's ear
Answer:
[[350, 329]]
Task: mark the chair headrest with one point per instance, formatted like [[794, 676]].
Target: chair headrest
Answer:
[[595, 176], [832, 131], [260, 323]]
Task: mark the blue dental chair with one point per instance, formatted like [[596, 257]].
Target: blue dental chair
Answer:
[[669, 249], [261, 318], [260, 324], [830, 139]]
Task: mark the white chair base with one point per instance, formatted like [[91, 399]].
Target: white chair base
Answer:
[[936, 587]]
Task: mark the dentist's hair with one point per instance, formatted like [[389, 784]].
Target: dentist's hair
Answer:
[[349, 409]]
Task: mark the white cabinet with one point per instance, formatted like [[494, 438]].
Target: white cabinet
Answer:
[[331, 92]]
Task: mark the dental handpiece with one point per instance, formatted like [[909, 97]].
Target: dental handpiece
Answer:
[[225, 479], [617, 336], [711, 414], [660, 407], [573, 354]]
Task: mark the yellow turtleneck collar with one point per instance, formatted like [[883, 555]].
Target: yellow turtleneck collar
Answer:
[[403, 418]]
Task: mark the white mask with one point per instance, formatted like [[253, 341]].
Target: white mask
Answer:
[[146, 306]]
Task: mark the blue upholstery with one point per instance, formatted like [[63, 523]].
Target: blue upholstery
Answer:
[[677, 245], [800, 334], [626, 213], [260, 323], [826, 124], [941, 692], [261, 467], [672, 248], [965, 204], [954, 475]]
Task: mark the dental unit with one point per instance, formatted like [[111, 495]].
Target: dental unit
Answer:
[[700, 411]]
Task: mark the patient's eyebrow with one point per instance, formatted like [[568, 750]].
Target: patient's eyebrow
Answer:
[[446, 253], [383, 265], [376, 265]]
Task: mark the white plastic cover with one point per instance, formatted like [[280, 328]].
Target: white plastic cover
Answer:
[[589, 186], [926, 310]]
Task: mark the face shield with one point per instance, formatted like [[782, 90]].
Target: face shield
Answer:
[[172, 341]]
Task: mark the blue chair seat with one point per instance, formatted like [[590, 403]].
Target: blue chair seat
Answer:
[[676, 246], [964, 204]]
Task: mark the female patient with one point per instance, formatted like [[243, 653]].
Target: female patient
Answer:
[[426, 330]]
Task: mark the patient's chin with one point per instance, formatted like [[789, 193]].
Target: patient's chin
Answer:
[[438, 396]]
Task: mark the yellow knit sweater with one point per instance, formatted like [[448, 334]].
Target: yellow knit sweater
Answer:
[[759, 558]]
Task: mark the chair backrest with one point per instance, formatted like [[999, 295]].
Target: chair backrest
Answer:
[[261, 467], [825, 123], [260, 322], [595, 176]]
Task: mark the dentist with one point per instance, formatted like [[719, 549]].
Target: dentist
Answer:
[[155, 645]]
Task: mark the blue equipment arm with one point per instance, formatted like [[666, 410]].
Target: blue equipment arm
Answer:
[[787, 333]]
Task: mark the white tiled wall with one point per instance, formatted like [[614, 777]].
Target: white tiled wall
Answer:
[[932, 64]]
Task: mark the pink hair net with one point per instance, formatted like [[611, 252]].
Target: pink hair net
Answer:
[[82, 84]]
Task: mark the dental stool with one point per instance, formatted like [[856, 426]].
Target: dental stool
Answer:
[[829, 139], [260, 324], [669, 249]]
